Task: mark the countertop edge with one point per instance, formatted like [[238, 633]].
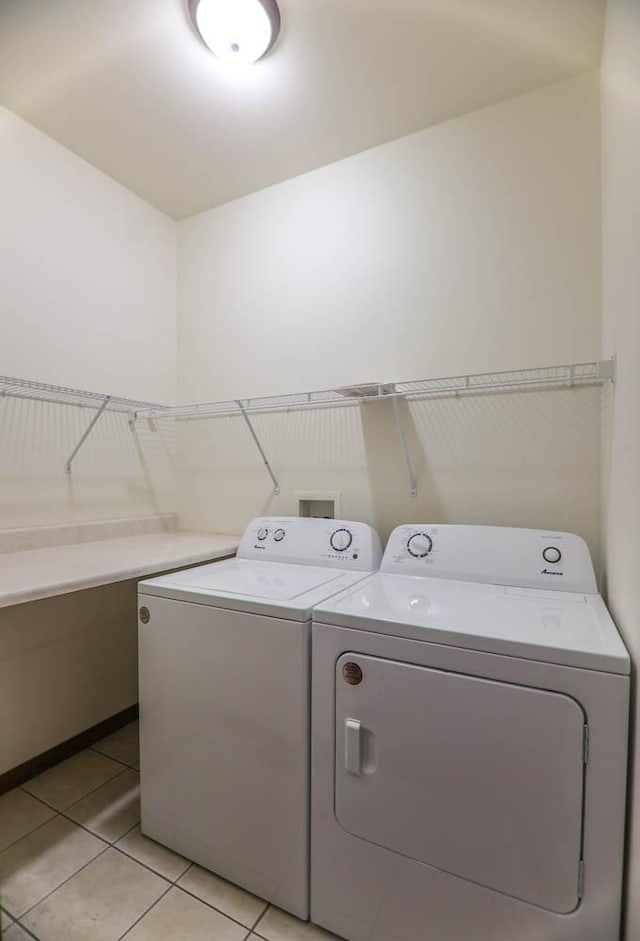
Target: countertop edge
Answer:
[[97, 580]]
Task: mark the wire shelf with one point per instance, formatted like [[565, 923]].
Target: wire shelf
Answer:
[[63, 395], [545, 377]]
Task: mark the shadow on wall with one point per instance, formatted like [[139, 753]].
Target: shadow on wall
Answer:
[[527, 459], [389, 480], [122, 470], [222, 483], [520, 459]]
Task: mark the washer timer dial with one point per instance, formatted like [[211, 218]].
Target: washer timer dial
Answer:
[[262, 534], [279, 535], [552, 555], [419, 545], [341, 539]]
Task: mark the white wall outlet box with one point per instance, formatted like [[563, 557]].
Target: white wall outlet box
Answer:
[[320, 503]]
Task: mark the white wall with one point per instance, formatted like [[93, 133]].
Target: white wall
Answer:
[[87, 299], [471, 246], [621, 308]]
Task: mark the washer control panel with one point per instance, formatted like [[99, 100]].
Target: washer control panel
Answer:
[[308, 541], [527, 558]]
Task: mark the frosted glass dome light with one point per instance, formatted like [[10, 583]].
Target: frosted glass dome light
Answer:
[[240, 31]]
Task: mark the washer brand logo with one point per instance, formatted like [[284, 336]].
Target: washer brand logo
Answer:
[[260, 547], [549, 572]]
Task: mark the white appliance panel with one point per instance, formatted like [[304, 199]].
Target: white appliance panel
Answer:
[[496, 555], [557, 627], [469, 744], [213, 702], [363, 891], [479, 778], [225, 704], [345, 544]]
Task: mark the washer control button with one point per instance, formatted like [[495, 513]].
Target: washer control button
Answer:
[[552, 555], [341, 539], [419, 545], [278, 535], [262, 534]]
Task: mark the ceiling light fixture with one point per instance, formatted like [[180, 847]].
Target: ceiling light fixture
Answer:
[[240, 31]]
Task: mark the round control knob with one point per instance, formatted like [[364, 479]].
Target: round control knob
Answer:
[[341, 539], [419, 545], [551, 554], [262, 534], [278, 535]]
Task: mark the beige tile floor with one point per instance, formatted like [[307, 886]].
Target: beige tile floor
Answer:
[[74, 865]]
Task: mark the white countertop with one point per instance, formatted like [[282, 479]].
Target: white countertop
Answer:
[[33, 574]]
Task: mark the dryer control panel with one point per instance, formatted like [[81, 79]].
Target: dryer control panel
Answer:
[[498, 555], [344, 544]]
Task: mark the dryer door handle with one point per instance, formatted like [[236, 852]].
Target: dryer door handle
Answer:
[[352, 746]]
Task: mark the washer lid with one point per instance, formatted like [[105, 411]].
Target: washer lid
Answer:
[[556, 627], [268, 581], [276, 588]]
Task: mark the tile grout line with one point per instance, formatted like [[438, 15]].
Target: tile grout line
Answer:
[[213, 907], [92, 791], [63, 813], [104, 755], [64, 882], [260, 917], [26, 930], [147, 866], [145, 913], [29, 832], [174, 885], [107, 755]]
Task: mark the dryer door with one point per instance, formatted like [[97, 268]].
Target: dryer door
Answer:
[[478, 778]]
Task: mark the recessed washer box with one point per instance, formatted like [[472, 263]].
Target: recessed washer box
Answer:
[[322, 503]]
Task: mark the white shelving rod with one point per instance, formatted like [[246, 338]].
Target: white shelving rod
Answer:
[[276, 486], [90, 427], [413, 484]]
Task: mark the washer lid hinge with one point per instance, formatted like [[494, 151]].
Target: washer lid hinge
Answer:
[[581, 878], [585, 745]]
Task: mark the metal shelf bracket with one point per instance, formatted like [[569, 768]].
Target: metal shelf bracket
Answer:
[[413, 485], [606, 369], [276, 486], [90, 427]]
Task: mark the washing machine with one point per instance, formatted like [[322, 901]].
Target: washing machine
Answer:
[[224, 666], [469, 744]]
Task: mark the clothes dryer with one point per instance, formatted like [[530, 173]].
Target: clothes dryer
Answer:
[[224, 700], [469, 744]]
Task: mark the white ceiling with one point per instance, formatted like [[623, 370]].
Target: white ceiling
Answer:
[[128, 86]]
